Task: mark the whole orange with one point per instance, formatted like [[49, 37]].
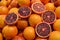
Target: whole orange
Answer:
[[29, 33], [22, 24], [50, 6], [24, 2], [1, 36], [56, 25], [13, 10], [9, 31], [34, 19], [3, 10], [57, 11], [55, 35], [2, 22]]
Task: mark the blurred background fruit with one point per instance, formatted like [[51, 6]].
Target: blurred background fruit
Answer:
[[9, 31], [57, 11], [29, 33], [56, 25], [3, 10], [34, 19], [55, 35], [1, 36]]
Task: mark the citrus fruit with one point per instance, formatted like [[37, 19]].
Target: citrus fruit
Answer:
[[55, 35], [49, 16], [45, 1], [2, 22], [18, 38], [43, 29], [40, 39], [1, 36], [29, 33], [50, 6], [57, 11], [24, 12], [38, 7], [24, 2], [3, 10], [56, 25], [34, 19], [13, 10], [11, 18], [9, 31], [22, 24]]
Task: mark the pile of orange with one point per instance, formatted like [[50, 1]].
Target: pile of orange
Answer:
[[20, 19]]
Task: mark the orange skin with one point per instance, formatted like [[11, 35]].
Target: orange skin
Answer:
[[22, 24], [3, 10], [1, 36], [9, 31]]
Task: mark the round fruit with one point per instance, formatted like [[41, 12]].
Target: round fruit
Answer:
[[9, 31], [2, 22], [56, 2], [13, 10], [49, 17], [45, 1], [3, 10], [43, 29], [24, 2], [55, 35], [22, 24], [1, 36], [24, 11], [29, 33], [40, 39], [38, 7], [11, 18], [57, 11], [56, 25], [34, 19], [50, 6], [18, 38]]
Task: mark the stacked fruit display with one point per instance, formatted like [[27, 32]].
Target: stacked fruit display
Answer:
[[29, 19]]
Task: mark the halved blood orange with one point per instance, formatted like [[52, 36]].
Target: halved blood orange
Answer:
[[49, 16], [38, 7], [43, 29], [11, 18], [24, 12]]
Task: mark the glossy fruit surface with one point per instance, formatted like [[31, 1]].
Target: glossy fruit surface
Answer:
[[43, 30], [2, 22], [24, 12], [24, 2], [34, 19], [1, 36], [55, 35], [56, 25], [3, 10], [29, 33], [38, 7], [9, 31], [50, 6], [57, 11], [22, 24]]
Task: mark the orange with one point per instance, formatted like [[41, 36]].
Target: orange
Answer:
[[29, 33], [57, 11], [9, 31], [34, 19], [2, 22], [3, 10], [56, 25], [1, 36], [13, 10], [50, 6], [55, 35], [24, 2]]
